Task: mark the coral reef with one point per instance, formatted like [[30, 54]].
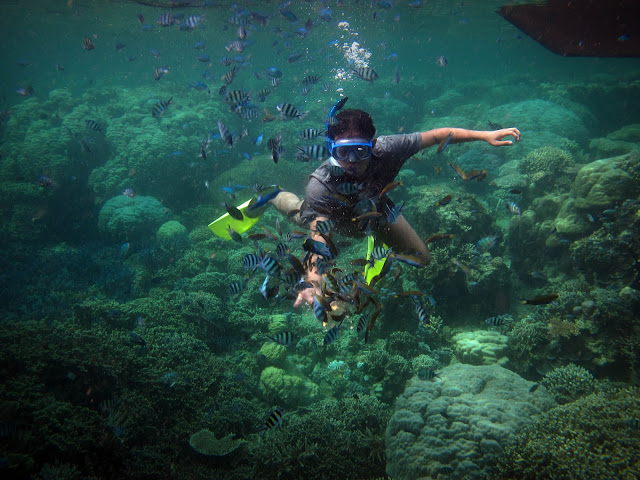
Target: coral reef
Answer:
[[123, 218], [550, 169], [593, 437], [205, 442], [567, 384], [481, 347], [305, 446], [459, 424], [284, 389]]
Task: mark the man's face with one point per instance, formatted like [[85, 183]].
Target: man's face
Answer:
[[352, 162]]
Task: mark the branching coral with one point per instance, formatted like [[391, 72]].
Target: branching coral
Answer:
[[548, 160], [569, 383]]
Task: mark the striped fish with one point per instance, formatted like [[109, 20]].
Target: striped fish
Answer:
[[158, 72], [225, 133], [348, 188], [275, 82], [93, 125], [332, 334], [324, 226], [311, 79], [251, 260], [237, 45], [192, 21], [317, 152], [366, 73], [319, 309], [289, 111], [263, 93], [228, 77], [336, 170], [160, 107], [240, 18], [311, 133], [166, 20], [237, 97], [237, 287], [242, 32], [427, 374], [498, 320], [422, 313], [283, 338], [87, 44], [271, 266], [379, 252], [248, 113], [362, 323], [281, 250], [274, 420]]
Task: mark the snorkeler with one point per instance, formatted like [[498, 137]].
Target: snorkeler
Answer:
[[347, 193]]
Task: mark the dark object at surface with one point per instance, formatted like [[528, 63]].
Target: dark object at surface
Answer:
[[584, 28]]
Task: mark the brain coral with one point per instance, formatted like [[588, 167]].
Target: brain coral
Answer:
[[459, 424], [125, 218]]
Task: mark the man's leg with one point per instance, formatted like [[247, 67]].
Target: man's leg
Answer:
[[402, 238]]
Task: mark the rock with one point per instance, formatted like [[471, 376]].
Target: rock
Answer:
[[458, 424]]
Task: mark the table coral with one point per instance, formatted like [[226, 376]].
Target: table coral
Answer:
[[206, 443]]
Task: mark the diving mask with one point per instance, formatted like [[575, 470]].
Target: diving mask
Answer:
[[351, 149]]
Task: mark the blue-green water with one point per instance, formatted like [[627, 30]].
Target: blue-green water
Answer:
[[121, 341]]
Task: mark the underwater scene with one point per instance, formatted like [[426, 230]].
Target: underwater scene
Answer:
[[163, 316]]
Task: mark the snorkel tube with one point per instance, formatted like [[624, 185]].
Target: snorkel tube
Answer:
[[332, 113]]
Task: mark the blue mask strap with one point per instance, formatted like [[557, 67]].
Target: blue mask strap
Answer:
[[335, 109]]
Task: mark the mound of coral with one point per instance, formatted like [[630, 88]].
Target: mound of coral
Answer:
[[460, 423]]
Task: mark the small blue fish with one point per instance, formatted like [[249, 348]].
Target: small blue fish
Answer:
[[124, 249], [200, 86], [258, 140], [445, 144], [177, 153], [266, 194], [393, 56]]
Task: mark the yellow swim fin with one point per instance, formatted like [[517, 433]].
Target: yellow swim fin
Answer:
[[221, 226], [370, 272]]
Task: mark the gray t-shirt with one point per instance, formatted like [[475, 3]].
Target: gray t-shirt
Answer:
[[323, 197]]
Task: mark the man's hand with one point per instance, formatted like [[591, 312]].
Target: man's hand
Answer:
[[305, 295], [495, 137]]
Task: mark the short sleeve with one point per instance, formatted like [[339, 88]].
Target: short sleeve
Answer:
[[398, 146]]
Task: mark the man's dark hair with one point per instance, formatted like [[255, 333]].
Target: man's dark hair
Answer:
[[352, 123]]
